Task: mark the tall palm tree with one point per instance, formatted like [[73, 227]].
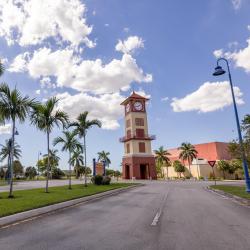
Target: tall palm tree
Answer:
[[13, 107], [54, 158], [104, 156], [6, 151], [1, 68], [77, 160], [161, 156], [45, 117], [187, 153], [69, 143], [246, 126], [82, 125]]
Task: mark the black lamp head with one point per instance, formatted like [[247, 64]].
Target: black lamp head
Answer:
[[219, 71]]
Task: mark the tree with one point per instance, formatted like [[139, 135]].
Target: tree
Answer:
[[188, 152], [245, 125], [54, 158], [45, 117], [162, 159], [234, 166], [57, 173], [178, 167], [30, 172], [117, 174], [77, 161], [104, 156], [13, 107], [82, 125], [223, 166], [17, 168], [1, 68], [70, 144]]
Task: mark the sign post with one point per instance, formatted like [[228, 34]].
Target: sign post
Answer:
[[212, 164]]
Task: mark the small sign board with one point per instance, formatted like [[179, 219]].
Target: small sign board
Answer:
[[211, 163]]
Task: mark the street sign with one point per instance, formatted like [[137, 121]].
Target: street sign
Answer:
[[211, 163]]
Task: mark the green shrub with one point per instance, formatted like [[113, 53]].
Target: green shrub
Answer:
[[106, 180], [97, 180]]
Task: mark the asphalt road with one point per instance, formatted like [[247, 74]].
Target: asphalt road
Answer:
[[159, 215]]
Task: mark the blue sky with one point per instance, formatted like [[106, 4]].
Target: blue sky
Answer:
[[91, 54]]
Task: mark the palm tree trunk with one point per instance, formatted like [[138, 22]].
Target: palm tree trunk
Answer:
[[167, 172], [85, 161], [69, 171], [189, 167], [12, 158], [48, 165]]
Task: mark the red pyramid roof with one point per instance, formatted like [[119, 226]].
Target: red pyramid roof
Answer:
[[134, 96]]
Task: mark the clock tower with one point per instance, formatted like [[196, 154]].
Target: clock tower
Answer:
[[138, 161]]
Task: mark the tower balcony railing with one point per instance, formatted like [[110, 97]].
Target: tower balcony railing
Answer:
[[137, 137]]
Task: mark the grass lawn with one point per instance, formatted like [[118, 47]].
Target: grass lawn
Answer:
[[34, 198], [234, 190]]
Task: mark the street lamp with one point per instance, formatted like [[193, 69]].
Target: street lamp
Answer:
[[220, 71]]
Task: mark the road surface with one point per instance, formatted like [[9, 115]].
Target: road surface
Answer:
[[159, 215]]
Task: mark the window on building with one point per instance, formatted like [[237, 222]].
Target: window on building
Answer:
[[140, 133], [142, 148], [128, 123], [128, 148], [129, 133], [139, 121]]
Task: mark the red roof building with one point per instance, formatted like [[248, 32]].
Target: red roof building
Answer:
[[206, 151]]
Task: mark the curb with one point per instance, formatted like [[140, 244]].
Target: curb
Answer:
[[39, 212], [237, 199]]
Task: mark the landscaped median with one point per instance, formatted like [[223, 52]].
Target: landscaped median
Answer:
[[238, 193], [36, 198]]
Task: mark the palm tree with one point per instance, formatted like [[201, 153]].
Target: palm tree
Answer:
[[45, 117], [161, 156], [246, 126], [1, 68], [54, 158], [82, 125], [69, 143], [188, 152], [104, 156], [6, 151], [13, 107], [77, 160]]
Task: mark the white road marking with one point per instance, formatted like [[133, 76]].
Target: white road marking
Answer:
[[159, 212]]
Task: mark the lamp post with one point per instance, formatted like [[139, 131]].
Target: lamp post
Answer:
[[220, 71]]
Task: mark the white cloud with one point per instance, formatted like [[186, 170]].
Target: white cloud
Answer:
[[5, 129], [130, 45], [141, 92], [85, 75], [208, 97], [248, 27], [218, 53], [105, 107], [164, 99], [126, 29], [19, 64], [242, 57], [38, 91], [237, 4], [30, 22]]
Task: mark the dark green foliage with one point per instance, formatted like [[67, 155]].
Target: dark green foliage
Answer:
[[57, 173], [97, 180], [30, 172], [178, 167], [106, 180]]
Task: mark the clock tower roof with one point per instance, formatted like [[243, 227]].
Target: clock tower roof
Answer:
[[134, 96]]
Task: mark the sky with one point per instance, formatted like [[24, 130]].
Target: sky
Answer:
[[92, 53]]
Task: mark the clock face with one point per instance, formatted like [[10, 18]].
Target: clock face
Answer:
[[128, 107], [138, 106]]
